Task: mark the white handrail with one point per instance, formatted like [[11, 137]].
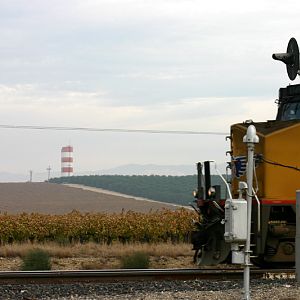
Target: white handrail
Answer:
[[224, 180]]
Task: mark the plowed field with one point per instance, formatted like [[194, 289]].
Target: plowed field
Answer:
[[52, 198]]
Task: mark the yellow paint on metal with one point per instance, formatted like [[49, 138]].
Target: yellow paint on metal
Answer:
[[280, 146]]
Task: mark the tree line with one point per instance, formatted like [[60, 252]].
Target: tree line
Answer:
[[171, 189]]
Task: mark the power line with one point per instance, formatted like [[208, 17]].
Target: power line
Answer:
[[279, 164], [60, 128]]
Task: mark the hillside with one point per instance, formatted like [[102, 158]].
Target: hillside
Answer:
[[53, 198], [170, 189]]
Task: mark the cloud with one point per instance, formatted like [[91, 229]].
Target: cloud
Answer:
[[149, 64], [32, 105], [129, 43], [163, 75]]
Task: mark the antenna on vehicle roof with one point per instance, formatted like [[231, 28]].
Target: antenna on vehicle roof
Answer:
[[290, 58]]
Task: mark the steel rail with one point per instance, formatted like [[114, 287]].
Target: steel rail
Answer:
[[73, 276]]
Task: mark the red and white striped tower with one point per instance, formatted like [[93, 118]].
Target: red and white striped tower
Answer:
[[67, 161]]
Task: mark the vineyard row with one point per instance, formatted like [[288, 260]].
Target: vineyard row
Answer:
[[159, 226]]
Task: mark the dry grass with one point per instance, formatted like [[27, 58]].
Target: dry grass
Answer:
[[20, 250], [94, 265], [96, 256], [115, 250]]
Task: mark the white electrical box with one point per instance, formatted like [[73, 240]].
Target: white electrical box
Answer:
[[235, 220], [238, 257]]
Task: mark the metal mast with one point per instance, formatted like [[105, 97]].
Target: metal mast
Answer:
[[250, 139]]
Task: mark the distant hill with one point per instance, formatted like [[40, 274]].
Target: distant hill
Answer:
[[129, 169], [150, 169], [171, 189]]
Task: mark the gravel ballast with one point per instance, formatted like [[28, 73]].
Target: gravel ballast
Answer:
[[283, 289]]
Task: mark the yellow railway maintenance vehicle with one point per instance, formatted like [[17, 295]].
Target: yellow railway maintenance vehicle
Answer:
[[276, 179]]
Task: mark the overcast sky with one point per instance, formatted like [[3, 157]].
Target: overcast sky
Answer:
[[136, 64]]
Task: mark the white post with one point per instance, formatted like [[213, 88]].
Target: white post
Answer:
[[250, 139], [297, 254]]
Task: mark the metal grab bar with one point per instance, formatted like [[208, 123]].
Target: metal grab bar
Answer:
[[258, 210]]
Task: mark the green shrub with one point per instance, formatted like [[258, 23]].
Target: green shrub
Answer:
[[137, 260], [36, 260]]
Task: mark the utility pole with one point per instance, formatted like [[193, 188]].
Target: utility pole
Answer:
[[30, 175], [48, 169]]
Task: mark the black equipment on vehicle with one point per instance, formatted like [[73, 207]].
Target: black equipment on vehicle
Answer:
[[290, 58]]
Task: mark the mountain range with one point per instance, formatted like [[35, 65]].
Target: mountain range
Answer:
[[129, 169]]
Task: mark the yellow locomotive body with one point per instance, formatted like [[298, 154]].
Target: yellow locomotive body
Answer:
[[279, 147], [276, 180]]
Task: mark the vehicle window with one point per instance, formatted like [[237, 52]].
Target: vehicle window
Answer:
[[291, 111]]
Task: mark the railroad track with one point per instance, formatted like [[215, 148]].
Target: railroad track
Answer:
[[39, 277]]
